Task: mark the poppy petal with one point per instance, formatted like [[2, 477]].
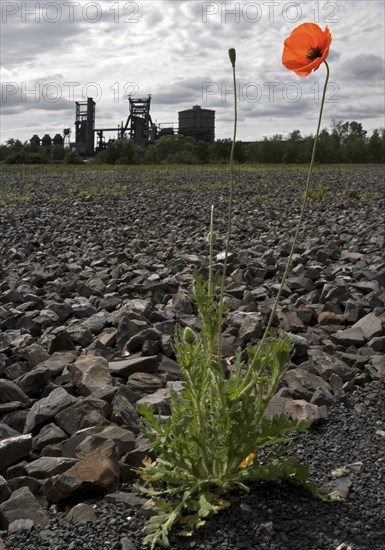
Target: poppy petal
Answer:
[[306, 48]]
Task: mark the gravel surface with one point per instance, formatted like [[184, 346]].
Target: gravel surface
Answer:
[[100, 265]]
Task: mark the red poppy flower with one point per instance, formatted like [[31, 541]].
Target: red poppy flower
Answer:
[[306, 48]]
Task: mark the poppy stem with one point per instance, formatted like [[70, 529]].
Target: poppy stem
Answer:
[[232, 56], [301, 218]]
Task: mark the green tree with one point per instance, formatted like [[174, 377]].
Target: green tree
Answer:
[[376, 146]]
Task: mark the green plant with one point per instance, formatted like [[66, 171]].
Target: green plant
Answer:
[[317, 194], [216, 436]]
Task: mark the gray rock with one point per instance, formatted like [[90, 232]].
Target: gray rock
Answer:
[[80, 335], [377, 344], [322, 397], [98, 471], [62, 341], [303, 384], [14, 449], [82, 513], [136, 364], [159, 401], [23, 505], [20, 525], [56, 363], [124, 413], [376, 367], [47, 466], [300, 343], [16, 370], [47, 408], [89, 373], [136, 342], [302, 411], [144, 383], [349, 337], [124, 440], [62, 310], [96, 323], [33, 382], [25, 481], [6, 431], [48, 435], [9, 391], [5, 490], [370, 325], [87, 412], [325, 365], [36, 354]]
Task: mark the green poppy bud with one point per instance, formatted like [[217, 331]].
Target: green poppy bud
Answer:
[[232, 56]]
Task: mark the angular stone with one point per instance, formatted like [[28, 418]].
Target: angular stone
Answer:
[[16, 370], [61, 342], [124, 413], [144, 383], [251, 328], [96, 323], [23, 505], [300, 410], [169, 368], [300, 343], [82, 513], [124, 440], [6, 431], [349, 337], [36, 354], [90, 373], [159, 401], [291, 322], [9, 391], [62, 310], [47, 408], [325, 365], [331, 318], [377, 344], [376, 367], [80, 335], [47, 466], [5, 490], [370, 325], [304, 383], [322, 397], [88, 412], [48, 435], [14, 449], [136, 364], [135, 342], [98, 471], [34, 381], [25, 481], [56, 363]]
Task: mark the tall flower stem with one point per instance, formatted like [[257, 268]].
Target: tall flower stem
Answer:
[[301, 218], [232, 56]]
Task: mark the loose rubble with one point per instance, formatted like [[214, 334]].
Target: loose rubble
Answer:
[[91, 290]]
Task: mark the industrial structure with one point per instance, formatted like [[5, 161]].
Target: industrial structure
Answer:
[[197, 123]]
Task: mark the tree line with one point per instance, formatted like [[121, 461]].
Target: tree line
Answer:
[[343, 142]]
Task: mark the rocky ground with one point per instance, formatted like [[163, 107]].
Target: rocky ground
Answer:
[[95, 274]]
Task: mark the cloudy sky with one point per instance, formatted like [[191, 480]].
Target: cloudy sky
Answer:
[[56, 53]]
